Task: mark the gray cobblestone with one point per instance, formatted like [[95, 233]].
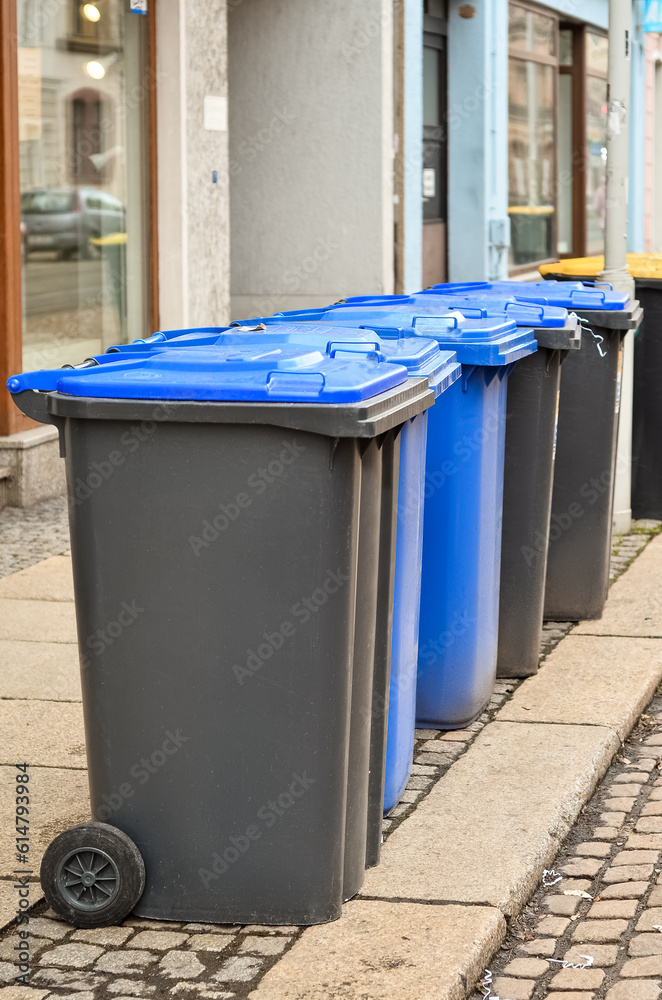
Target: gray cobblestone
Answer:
[[181, 965], [131, 987], [210, 942], [238, 969], [159, 940], [125, 962], [73, 956]]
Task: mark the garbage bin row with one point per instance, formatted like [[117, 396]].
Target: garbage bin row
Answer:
[[333, 525]]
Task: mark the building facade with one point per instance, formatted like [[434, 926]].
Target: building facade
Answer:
[[172, 163]]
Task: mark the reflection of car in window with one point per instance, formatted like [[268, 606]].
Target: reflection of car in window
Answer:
[[68, 219]]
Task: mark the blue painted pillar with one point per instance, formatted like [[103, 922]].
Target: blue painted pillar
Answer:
[[478, 227], [637, 164], [413, 144]]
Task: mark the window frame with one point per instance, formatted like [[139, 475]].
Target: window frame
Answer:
[[580, 72], [12, 420], [544, 60]]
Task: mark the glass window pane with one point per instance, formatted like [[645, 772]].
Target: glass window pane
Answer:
[[436, 8], [434, 180], [531, 159], [531, 31], [565, 47], [82, 88], [517, 26], [564, 177], [597, 52], [431, 64], [596, 162]]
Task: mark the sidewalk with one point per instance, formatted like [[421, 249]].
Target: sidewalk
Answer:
[[465, 851]]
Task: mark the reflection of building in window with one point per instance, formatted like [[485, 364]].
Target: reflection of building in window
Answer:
[[89, 165], [533, 51], [93, 26]]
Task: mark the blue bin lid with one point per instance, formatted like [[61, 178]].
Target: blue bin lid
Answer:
[[478, 306], [570, 294], [278, 373], [486, 341], [421, 357]]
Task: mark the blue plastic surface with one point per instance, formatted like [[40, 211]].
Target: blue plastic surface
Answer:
[[458, 635], [406, 608], [477, 305], [421, 357], [458, 631], [490, 340], [570, 294], [267, 373]]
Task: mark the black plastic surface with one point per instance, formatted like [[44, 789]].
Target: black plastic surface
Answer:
[[580, 531], [227, 662], [647, 405], [533, 390]]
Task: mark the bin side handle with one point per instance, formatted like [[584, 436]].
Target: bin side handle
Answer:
[[34, 404]]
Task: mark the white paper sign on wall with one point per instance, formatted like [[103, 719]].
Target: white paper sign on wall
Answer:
[[216, 113], [429, 182]]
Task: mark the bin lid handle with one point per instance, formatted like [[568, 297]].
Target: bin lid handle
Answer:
[[474, 311], [312, 383], [525, 309], [368, 347], [589, 295]]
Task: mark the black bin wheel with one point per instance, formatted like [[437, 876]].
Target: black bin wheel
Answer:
[[92, 875]]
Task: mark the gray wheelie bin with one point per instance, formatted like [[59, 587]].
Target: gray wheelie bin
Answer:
[[217, 500]]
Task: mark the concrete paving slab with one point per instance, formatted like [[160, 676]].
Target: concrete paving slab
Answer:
[[583, 681], [49, 580], [58, 799], [47, 669], [44, 621], [42, 733], [496, 819], [377, 949], [634, 605]]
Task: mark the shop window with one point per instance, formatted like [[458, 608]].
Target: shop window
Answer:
[[532, 154], [582, 146], [83, 117], [435, 141], [89, 128]]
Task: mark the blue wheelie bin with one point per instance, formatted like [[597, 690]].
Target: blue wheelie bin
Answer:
[[401, 587], [531, 427], [577, 575], [458, 635]]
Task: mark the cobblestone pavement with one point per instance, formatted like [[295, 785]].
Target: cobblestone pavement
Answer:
[[30, 534], [606, 910], [156, 960]]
